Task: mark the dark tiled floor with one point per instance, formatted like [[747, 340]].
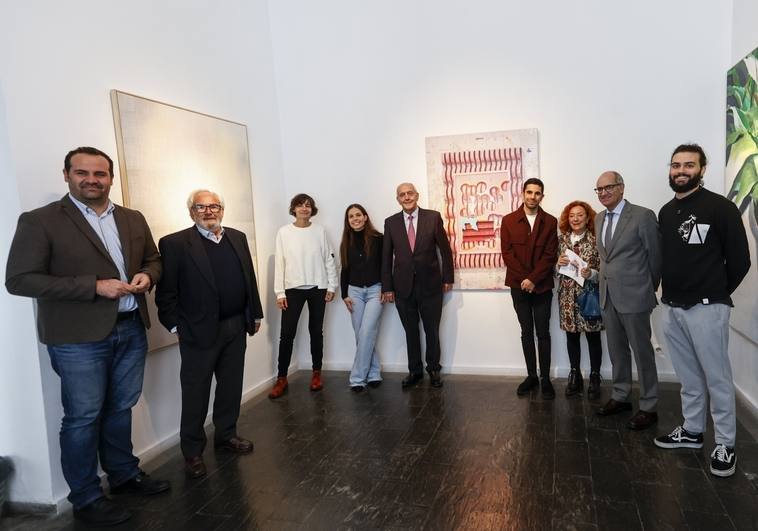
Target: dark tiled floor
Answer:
[[470, 456]]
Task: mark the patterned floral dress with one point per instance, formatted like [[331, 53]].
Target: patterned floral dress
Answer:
[[569, 289]]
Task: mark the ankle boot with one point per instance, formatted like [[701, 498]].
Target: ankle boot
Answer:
[[575, 383], [593, 391], [280, 387], [316, 384]]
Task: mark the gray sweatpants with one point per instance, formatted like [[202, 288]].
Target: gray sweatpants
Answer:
[[698, 343]]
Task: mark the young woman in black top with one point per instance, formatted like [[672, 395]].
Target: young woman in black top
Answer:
[[361, 256]]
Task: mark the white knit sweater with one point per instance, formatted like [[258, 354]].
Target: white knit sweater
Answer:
[[303, 258]]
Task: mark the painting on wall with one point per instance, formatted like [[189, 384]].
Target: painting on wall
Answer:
[[474, 180], [164, 153], [742, 180]]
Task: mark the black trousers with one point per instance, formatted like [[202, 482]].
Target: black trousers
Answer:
[[575, 349], [533, 312], [296, 299], [429, 307], [225, 359]]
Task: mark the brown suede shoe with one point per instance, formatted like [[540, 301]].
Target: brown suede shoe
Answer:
[[316, 384], [195, 467], [642, 420], [238, 445], [280, 387]]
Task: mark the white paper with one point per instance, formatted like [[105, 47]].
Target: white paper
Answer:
[[573, 268]]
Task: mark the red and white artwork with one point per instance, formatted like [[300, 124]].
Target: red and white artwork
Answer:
[[474, 180]]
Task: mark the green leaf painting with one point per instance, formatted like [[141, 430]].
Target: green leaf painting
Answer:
[[742, 133]]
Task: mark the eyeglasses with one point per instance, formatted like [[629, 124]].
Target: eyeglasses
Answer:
[[600, 190], [213, 207]]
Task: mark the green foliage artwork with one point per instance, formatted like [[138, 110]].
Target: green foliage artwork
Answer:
[[742, 134]]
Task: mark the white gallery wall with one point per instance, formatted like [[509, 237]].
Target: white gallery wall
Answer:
[[743, 351], [609, 86], [59, 61], [338, 97]]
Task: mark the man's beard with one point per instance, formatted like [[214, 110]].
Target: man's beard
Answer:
[[691, 184]]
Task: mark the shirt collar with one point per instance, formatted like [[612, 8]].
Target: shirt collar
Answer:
[[414, 214], [87, 210], [210, 234], [619, 208]]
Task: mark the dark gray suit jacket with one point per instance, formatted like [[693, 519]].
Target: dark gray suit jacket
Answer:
[[630, 268], [56, 257]]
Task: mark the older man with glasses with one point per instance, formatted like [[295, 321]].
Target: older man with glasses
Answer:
[[209, 297], [630, 271]]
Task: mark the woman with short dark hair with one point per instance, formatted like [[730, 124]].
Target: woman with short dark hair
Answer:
[[304, 272]]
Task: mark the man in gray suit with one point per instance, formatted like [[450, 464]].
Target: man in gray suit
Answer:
[[89, 263], [630, 271]]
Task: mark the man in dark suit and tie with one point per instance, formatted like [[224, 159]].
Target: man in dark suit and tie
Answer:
[[209, 297], [89, 262], [630, 271], [414, 278]]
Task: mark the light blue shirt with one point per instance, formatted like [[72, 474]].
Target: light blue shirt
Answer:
[[616, 214], [105, 228], [210, 235]]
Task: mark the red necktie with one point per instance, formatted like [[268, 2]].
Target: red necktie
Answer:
[[411, 233]]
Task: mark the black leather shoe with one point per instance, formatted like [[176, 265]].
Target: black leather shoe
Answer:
[[142, 484], [238, 445], [593, 390], [575, 383], [642, 420], [373, 384], [356, 388], [525, 387], [436, 379], [195, 467], [612, 407], [411, 380], [548, 393], [101, 513]]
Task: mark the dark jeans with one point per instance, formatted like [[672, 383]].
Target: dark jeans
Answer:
[[575, 349], [533, 312], [296, 299], [225, 359], [100, 382], [429, 307]]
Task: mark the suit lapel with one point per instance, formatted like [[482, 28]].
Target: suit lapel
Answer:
[[239, 248], [621, 224], [599, 231], [76, 216], [420, 226], [200, 257]]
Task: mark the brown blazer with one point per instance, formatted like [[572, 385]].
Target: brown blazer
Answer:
[[56, 257], [529, 253]]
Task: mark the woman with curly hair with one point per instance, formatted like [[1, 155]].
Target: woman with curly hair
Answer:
[[577, 227]]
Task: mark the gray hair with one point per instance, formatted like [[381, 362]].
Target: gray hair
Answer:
[[194, 193], [619, 178]]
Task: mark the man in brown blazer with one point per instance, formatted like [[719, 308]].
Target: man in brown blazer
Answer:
[[88, 263], [415, 277]]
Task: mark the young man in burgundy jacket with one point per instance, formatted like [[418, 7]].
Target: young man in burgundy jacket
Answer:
[[529, 244]]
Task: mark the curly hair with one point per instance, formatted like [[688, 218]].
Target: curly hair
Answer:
[[563, 223], [302, 199]]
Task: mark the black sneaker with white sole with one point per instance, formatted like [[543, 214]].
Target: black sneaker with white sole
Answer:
[[679, 438], [723, 461]]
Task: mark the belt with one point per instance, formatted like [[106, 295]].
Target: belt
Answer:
[[127, 316]]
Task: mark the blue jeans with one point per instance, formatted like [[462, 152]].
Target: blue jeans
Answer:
[[100, 382], [367, 309]]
